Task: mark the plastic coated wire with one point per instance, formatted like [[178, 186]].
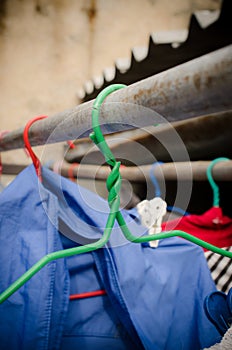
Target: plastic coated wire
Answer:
[[214, 186], [113, 184], [62, 254], [34, 158], [158, 190], [154, 179], [99, 140]]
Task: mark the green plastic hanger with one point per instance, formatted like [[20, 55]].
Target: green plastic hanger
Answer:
[[99, 140], [113, 184], [213, 185]]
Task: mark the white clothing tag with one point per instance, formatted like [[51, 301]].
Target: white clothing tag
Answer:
[[151, 213]]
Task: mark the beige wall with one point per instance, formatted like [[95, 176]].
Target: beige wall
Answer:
[[49, 48]]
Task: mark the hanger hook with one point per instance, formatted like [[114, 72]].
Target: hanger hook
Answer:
[[212, 183], [97, 136], [71, 172], [34, 158], [113, 182], [154, 179]]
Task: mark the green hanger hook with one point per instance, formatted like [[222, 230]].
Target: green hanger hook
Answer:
[[214, 186], [113, 184], [96, 136]]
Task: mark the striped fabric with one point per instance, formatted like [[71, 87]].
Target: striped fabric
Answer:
[[221, 269]]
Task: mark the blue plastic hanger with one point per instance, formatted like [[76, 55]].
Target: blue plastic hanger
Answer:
[[158, 191], [218, 308]]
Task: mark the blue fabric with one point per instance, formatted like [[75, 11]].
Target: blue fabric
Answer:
[[154, 296]]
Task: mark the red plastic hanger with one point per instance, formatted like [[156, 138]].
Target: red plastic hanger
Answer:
[[34, 158], [70, 171]]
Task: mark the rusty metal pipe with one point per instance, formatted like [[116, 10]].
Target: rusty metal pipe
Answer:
[[195, 88], [181, 171]]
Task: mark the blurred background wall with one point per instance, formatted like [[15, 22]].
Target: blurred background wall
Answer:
[[49, 48]]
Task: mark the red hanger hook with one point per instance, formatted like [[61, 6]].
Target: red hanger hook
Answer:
[[70, 171], [34, 158], [71, 144]]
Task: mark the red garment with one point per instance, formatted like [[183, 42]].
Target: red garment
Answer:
[[212, 227]]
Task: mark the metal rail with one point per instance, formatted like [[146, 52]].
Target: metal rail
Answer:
[[181, 171], [195, 88]]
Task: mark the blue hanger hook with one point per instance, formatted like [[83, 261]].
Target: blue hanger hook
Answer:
[[158, 190]]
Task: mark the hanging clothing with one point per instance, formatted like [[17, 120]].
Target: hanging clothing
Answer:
[[92, 323], [221, 269], [1, 187], [215, 228], [154, 296], [212, 226]]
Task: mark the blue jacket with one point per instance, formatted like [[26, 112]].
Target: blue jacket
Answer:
[[154, 296]]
